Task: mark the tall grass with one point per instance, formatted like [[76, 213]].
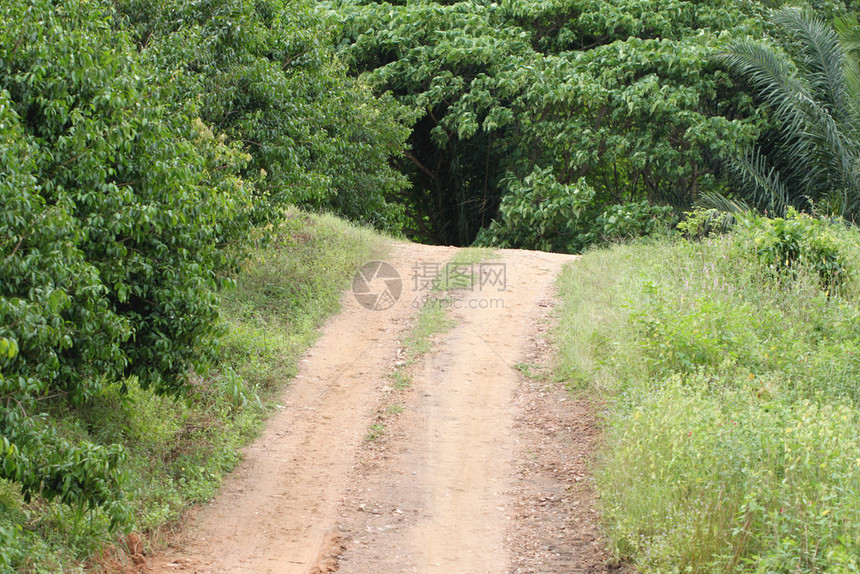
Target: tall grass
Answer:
[[733, 427], [178, 451]]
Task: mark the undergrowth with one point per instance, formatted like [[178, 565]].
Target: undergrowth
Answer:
[[731, 368], [177, 451]]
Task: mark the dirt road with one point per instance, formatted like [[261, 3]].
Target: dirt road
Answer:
[[474, 468]]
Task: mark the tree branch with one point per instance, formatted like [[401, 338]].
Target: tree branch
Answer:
[[418, 164]]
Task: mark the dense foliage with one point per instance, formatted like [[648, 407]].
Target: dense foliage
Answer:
[[264, 74], [112, 237], [614, 100], [141, 152], [732, 365], [809, 158], [176, 452], [146, 145]]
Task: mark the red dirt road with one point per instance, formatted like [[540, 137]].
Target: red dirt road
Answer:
[[465, 478]]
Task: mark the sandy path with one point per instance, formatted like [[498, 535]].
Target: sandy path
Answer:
[[441, 499], [277, 511], [437, 495]]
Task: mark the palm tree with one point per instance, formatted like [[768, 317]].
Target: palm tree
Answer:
[[810, 158]]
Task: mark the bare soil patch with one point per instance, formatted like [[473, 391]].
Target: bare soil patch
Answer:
[[557, 527]]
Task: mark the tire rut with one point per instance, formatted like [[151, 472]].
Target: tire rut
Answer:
[[277, 512], [441, 493]]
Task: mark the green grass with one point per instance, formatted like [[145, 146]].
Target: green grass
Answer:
[[433, 317], [458, 272], [375, 431], [178, 451], [531, 371], [732, 440], [432, 320], [401, 379], [472, 255]]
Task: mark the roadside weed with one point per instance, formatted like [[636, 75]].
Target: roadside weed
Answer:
[[732, 440]]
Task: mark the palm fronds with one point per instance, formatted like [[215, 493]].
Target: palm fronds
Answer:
[[767, 191], [814, 99], [821, 57]]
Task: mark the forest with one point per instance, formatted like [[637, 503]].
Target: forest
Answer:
[[152, 150]]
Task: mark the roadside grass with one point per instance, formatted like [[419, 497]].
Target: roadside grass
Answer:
[[179, 450], [731, 380], [530, 371]]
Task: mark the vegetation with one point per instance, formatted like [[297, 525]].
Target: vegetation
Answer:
[[263, 73], [433, 319], [730, 367], [137, 175], [176, 451], [151, 153], [113, 238], [808, 159], [536, 118]]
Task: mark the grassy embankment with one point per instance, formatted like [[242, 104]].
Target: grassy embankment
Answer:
[[178, 451], [730, 370]]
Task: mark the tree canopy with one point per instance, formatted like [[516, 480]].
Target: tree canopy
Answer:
[[264, 74], [614, 100]]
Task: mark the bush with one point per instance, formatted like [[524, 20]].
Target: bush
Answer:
[[701, 222], [783, 244], [632, 220], [119, 221], [541, 213]]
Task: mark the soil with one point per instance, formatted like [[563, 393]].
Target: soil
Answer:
[[479, 465]]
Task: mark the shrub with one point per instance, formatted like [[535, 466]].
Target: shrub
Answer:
[[264, 73], [541, 213], [783, 244], [632, 220], [701, 222], [119, 220]]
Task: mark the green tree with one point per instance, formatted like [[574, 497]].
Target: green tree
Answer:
[[265, 74], [120, 218], [617, 97], [808, 159]]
